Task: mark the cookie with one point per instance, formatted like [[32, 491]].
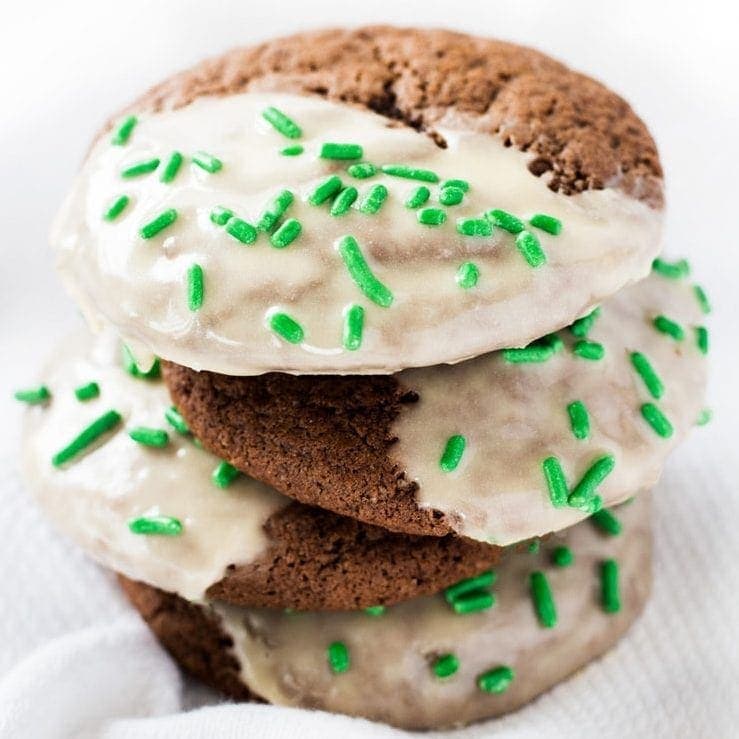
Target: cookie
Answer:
[[159, 509], [360, 202], [501, 448], [555, 611]]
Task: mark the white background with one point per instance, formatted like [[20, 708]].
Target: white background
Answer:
[[65, 66]]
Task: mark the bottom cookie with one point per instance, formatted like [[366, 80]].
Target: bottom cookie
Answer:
[[434, 661]]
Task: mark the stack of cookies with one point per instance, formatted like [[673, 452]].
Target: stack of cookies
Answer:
[[381, 336]]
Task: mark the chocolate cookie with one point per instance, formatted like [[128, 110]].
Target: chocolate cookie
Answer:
[[360, 201], [428, 667], [500, 448], [145, 500]]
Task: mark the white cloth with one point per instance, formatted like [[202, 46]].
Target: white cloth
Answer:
[[75, 661]]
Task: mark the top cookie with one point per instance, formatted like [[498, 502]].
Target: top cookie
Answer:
[[360, 202]]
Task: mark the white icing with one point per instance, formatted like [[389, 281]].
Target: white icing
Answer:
[[92, 498], [515, 415], [283, 656], [608, 240]]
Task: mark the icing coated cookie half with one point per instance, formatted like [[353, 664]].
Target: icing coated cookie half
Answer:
[[115, 468], [420, 665], [508, 446], [360, 202]]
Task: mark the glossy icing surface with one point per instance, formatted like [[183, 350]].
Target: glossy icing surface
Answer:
[[513, 416], [390, 678], [94, 496], [140, 285]]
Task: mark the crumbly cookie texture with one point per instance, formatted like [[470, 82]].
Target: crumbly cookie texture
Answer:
[[555, 609], [582, 134], [501, 448], [143, 499]]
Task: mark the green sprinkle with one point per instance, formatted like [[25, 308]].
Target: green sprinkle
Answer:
[[610, 598], [362, 171], [667, 326], [33, 395], [550, 224], [538, 351], [116, 208], [341, 151], [410, 173], [673, 270], [130, 365], [606, 521], [344, 201], [140, 168], [292, 151], [530, 249], [702, 298], [287, 327], [207, 162], [527, 354], [474, 227], [593, 505], [373, 200], [338, 657], [445, 665], [553, 341], [241, 230], [224, 474], [171, 168], [361, 274], [327, 189], [581, 327], [657, 420], [451, 196], [704, 417], [562, 557], [156, 526], [286, 233], [496, 680], [375, 610], [220, 215], [645, 370], [195, 287], [505, 220], [701, 339], [90, 434], [431, 216], [556, 482], [149, 436], [276, 209], [176, 421], [281, 123], [533, 546], [584, 492], [162, 221], [468, 585], [589, 350], [353, 328], [579, 419], [88, 391], [452, 454], [477, 600], [418, 197], [541, 594], [462, 185], [467, 275], [124, 130]]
